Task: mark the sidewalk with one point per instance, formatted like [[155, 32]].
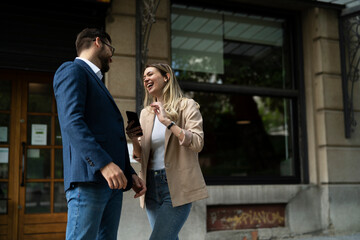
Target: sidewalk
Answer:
[[355, 236], [254, 235]]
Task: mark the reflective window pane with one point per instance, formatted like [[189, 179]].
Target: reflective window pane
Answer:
[[4, 128], [58, 138], [5, 95], [246, 135], [4, 162], [38, 164], [39, 130], [40, 97], [229, 48], [197, 40], [58, 163], [37, 198], [60, 204], [3, 198]]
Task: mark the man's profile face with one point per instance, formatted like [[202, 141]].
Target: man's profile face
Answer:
[[104, 56]]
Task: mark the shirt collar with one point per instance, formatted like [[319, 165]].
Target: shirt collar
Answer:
[[93, 67]]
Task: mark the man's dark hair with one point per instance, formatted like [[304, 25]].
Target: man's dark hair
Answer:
[[87, 36]]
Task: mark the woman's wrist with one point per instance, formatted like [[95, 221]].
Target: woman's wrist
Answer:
[[170, 125], [167, 122]]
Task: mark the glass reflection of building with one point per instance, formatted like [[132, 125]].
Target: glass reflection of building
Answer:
[[238, 67]]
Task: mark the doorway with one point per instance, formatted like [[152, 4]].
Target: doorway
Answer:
[[32, 199]]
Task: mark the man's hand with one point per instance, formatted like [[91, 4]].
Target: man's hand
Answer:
[[139, 186], [114, 176]]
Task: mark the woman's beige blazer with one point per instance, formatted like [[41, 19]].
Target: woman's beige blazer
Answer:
[[185, 179]]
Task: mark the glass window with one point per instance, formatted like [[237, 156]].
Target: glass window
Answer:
[[60, 204], [4, 128], [58, 164], [5, 95], [4, 162], [40, 97], [238, 67], [58, 138], [37, 198], [3, 198], [38, 163]]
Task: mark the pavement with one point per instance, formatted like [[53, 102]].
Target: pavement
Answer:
[[355, 236]]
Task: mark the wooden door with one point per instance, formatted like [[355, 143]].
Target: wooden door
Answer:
[[8, 156], [35, 201]]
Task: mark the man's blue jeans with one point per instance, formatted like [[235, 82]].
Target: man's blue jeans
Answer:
[[93, 212], [166, 221]]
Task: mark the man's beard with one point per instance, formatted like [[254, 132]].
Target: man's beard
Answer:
[[104, 60]]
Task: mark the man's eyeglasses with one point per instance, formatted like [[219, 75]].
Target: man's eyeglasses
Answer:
[[112, 49]]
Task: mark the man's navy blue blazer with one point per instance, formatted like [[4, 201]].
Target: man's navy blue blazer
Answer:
[[92, 127]]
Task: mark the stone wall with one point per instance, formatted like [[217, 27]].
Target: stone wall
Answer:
[[333, 159]]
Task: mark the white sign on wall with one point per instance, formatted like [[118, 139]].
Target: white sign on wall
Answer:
[[38, 134]]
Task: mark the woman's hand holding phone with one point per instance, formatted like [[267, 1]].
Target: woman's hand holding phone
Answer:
[[133, 130]]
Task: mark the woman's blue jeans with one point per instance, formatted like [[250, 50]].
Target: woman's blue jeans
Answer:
[[93, 212], [166, 221]]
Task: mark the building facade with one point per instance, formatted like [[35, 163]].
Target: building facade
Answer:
[[277, 85], [268, 78]]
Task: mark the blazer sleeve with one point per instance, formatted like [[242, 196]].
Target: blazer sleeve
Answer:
[[70, 89], [193, 127], [129, 171]]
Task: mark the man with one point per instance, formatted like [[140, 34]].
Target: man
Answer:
[[96, 162]]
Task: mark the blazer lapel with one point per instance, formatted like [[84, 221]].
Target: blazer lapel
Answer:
[[97, 80]]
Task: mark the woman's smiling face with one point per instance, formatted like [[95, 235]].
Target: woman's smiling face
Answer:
[[154, 82]]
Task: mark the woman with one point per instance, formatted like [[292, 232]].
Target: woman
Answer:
[[168, 152]]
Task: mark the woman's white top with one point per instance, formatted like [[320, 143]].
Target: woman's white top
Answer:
[[158, 145]]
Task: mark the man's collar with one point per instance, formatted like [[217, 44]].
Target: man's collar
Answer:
[[96, 70]]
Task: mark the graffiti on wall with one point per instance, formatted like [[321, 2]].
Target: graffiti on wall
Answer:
[[245, 216]]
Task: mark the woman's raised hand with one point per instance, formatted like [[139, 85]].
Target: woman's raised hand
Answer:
[[160, 113]]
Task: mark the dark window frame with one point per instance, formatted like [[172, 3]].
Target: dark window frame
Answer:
[[297, 93]]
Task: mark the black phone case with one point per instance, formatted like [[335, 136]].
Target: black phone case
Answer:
[[133, 116]]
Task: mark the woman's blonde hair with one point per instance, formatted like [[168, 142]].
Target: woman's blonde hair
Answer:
[[172, 93]]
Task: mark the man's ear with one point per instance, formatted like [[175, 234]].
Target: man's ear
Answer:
[[97, 42]]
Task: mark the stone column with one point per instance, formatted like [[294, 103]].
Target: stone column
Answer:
[[332, 158]]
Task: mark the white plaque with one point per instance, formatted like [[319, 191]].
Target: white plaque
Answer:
[[4, 155], [38, 134], [3, 134]]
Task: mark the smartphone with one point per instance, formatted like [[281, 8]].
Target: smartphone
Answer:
[[133, 116]]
